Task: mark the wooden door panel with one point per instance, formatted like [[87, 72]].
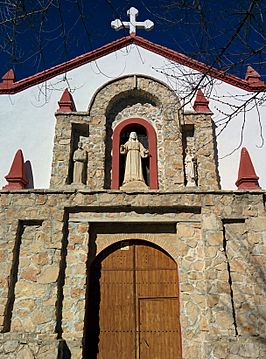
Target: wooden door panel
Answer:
[[151, 258], [120, 259], [117, 345], [159, 335], [155, 345], [135, 304], [156, 283], [116, 301], [117, 306]]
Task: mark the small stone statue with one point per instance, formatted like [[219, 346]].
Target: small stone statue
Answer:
[[80, 163], [190, 168], [135, 151]]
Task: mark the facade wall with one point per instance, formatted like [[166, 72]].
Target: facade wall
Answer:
[[28, 122], [135, 97], [48, 238]]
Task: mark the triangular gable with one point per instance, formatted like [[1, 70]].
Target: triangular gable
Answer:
[[119, 44]]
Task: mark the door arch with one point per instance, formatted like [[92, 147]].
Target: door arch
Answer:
[[133, 304]]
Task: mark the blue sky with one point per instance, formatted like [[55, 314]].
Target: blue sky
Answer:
[[202, 30]]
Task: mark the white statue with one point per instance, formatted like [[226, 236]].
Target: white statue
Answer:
[[190, 168], [80, 162], [134, 151]]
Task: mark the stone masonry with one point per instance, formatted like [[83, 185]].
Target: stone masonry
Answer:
[[49, 237], [130, 97]]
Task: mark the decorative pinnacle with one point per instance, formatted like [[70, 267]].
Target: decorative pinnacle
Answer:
[[66, 102], [132, 24], [253, 77], [201, 104], [17, 178], [247, 178]]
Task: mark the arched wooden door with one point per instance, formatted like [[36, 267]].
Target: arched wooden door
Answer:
[[133, 305]]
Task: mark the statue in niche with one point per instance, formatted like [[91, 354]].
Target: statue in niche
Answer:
[[190, 168], [134, 151], [80, 164]]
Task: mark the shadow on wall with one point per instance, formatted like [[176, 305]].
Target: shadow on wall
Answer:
[[246, 278], [29, 174], [63, 350]]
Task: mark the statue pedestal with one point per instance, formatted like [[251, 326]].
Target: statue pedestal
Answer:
[[191, 184], [78, 185], [134, 186]]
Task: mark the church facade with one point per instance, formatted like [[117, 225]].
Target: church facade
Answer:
[[133, 250]]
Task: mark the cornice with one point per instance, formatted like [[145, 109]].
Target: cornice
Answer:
[[18, 86], [66, 66], [197, 65]]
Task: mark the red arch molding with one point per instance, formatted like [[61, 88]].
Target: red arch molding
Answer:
[[127, 125]]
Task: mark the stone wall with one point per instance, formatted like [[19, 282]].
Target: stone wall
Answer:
[[29, 346], [68, 131], [205, 149], [48, 238], [134, 97]]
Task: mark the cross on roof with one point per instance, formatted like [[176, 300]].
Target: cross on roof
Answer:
[[132, 24]]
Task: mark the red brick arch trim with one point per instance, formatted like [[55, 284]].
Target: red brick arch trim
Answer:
[[151, 134]]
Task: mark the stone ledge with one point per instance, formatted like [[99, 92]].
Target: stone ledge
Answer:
[[82, 113], [27, 336], [148, 192]]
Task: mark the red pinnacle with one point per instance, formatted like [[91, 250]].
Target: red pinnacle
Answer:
[[253, 77], [8, 79], [16, 177], [247, 178], [66, 103], [201, 104]]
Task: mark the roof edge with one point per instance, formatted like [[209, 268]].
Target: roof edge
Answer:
[[66, 66], [117, 45], [197, 65]]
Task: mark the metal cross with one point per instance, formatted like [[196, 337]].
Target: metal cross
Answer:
[[132, 24]]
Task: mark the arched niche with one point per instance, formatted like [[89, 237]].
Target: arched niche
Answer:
[[134, 124], [135, 96]]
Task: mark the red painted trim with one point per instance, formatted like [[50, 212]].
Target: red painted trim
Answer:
[[67, 66], [196, 65], [118, 44], [126, 125]]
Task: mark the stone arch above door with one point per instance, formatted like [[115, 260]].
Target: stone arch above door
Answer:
[[133, 303]]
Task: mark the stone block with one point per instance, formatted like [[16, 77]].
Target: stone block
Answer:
[[49, 274]]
